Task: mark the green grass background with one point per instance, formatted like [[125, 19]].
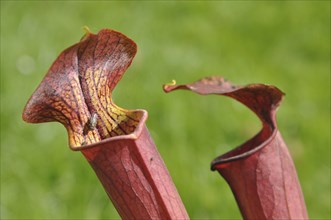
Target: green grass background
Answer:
[[286, 44]]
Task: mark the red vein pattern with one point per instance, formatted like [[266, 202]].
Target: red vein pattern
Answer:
[[260, 172], [80, 83]]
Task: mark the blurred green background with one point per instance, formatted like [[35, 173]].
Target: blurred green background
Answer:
[[286, 44]]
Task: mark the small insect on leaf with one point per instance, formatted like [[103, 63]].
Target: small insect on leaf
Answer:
[[93, 121]]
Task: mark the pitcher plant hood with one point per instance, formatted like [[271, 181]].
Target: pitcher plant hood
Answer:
[[260, 172], [77, 92]]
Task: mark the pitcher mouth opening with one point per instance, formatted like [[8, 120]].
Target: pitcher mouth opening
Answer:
[[130, 125], [256, 143]]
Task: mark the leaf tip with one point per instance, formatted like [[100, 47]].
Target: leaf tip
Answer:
[[167, 86], [87, 31], [172, 83]]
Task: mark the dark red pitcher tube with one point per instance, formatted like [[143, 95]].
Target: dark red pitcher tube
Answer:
[[260, 173], [265, 183], [135, 177]]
